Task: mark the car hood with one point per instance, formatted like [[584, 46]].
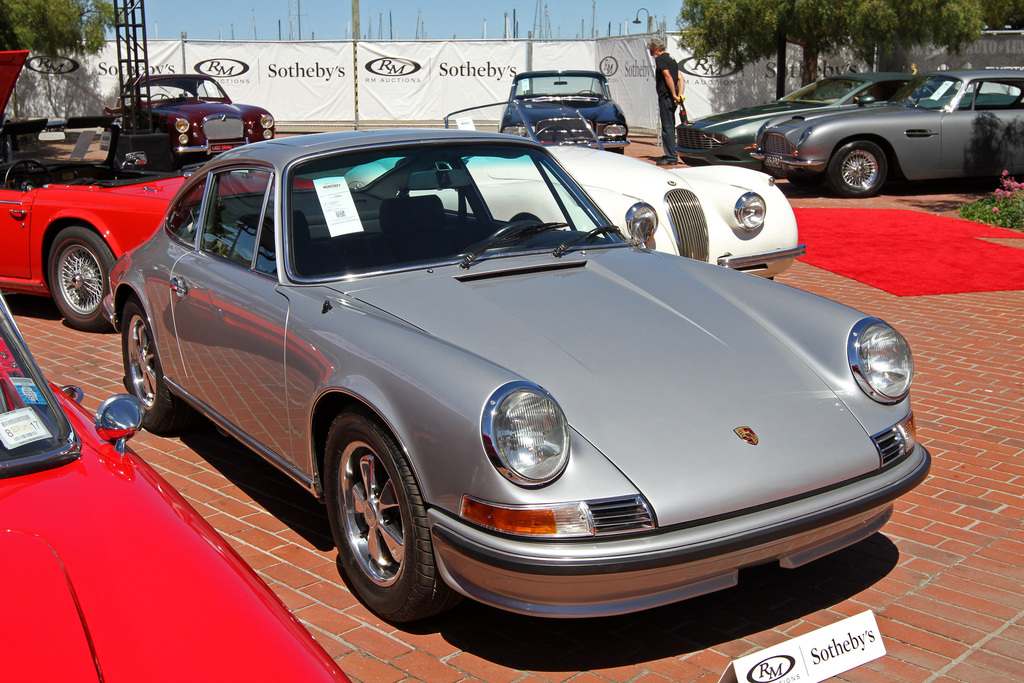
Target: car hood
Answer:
[[197, 110], [10, 66], [781, 124], [587, 107], [656, 369], [760, 111], [40, 609]]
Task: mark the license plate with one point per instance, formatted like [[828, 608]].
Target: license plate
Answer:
[[773, 162]]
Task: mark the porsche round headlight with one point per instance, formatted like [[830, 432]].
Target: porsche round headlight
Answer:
[[881, 361], [750, 210], [642, 221], [267, 121], [526, 434], [181, 125]]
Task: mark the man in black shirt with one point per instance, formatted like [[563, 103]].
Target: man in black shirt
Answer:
[[669, 90]]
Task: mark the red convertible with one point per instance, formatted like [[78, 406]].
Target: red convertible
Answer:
[[107, 574], [69, 207]]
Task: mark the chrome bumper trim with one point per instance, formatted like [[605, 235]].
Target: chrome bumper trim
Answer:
[[754, 260]]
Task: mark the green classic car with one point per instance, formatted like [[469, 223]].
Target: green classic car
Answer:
[[726, 138]]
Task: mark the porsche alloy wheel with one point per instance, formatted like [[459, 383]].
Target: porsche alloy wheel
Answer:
[[379, 522], [858, 169], [79, 264], [164, 412]]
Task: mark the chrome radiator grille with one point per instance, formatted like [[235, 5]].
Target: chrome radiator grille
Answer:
[[694, 138], [890, 445], [774, 143], [687, 216], [620, 515], [223, 128]]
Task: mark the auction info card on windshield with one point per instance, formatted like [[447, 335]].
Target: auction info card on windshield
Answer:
[[814, 656]]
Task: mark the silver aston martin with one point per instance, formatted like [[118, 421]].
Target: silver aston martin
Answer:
[[495, 393]]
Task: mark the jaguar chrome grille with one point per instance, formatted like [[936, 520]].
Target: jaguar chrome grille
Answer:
[[223, 128], [695, 138], [890, 445], [620, 515], [776, 143], [691, 227]]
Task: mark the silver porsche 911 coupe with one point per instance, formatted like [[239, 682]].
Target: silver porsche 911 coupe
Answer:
[[497, 395]]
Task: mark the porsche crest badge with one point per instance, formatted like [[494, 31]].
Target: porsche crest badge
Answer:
[[747, 434]]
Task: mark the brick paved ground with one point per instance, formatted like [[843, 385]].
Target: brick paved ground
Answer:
[[945, 577]]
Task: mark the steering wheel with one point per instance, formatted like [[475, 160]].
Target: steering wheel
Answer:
[[22, 180]]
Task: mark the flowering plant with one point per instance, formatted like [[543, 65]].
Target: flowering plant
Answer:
[[1003, 208]]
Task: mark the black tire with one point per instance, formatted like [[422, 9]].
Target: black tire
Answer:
[[143, 376], [79, 263], [857, 169], [379, 522]]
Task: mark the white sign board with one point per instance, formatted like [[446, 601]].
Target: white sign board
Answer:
[[814, 656]]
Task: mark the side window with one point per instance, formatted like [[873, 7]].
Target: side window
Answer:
[[183, 219], [266, 254], [997, 95], [234, 214], [883, 91]]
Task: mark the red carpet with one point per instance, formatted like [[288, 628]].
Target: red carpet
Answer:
[[909, 253]]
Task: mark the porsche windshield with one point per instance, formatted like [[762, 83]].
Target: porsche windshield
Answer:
[[930, 92], [33, 430], [381, 210]]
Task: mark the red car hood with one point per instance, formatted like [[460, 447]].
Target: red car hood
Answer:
[[35, 587], [10, 66]]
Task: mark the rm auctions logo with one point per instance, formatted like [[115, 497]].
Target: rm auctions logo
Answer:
[[703, 68], [771, 669], [221, 67], [609, 66], [392, 67], [52, 65]]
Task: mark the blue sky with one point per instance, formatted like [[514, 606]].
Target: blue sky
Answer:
[[332, 20]]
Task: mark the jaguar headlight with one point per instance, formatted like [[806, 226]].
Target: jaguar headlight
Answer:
[[642, 221], [750, 210], [526, 435], [181, 125], [881, 361]]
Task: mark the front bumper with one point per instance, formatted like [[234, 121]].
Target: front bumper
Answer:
[[768, 264], [608, 576], [786, 164]]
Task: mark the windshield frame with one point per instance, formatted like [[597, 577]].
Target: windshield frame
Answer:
[[32, 393], [904, 95]]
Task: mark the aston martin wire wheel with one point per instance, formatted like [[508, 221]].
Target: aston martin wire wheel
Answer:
[[79, 263], [858, 169], [164, 412], [379, 522]]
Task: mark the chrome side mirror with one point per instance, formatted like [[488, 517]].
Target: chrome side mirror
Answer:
[[134, 160], [118, 419]]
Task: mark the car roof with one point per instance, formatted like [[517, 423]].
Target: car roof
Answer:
[[282, 150], [11, 62], [978, 73]]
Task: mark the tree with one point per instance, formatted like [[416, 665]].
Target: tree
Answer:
[[734, 33], [55, 27]]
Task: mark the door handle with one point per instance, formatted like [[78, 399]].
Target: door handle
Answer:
[[19, 214], [180, 287]]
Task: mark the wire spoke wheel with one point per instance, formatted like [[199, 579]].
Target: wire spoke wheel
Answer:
[[857, 169], [80, 279], [860, 169]]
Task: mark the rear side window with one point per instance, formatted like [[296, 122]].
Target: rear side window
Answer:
[[233, 219], [183, 219]]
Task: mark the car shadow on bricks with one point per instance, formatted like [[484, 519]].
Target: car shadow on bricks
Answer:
[[767, 598], [261, 482]]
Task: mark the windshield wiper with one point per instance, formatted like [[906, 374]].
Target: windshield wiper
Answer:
[[510, 234], [562, 248]]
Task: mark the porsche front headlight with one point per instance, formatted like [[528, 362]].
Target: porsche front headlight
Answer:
[[526, 435], [881, 361], [750, 210]]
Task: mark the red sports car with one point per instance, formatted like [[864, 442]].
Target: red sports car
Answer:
[[70, 205], [106, 573], [197, 116]]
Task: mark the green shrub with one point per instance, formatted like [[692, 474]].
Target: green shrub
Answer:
[[1003, 208]]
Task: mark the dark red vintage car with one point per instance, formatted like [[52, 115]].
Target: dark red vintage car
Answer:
[[195, 113], [70, 205], [106, 572]]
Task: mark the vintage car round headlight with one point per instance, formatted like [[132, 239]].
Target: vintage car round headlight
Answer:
[[881, 361], [750, 210], [182, 139], [642, 221], [181, 125], [267, 121], [615, 130], [526, 434]]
